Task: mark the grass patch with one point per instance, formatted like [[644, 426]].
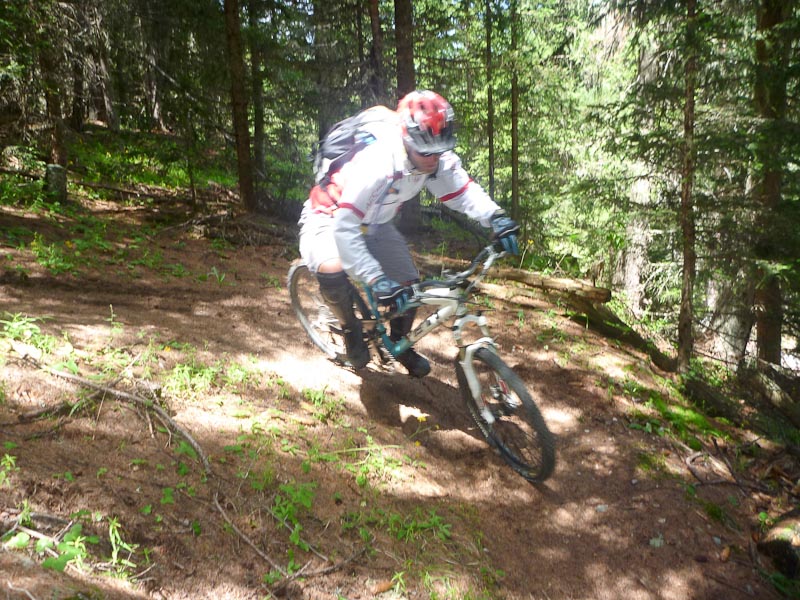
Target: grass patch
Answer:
[[147, 159]]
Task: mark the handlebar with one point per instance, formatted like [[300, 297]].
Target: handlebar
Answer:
[[487, 257]]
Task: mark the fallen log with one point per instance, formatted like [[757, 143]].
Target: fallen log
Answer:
[[560, 285], [585, 302], [774, 387]]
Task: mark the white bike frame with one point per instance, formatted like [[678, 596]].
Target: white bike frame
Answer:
[[452, 304]]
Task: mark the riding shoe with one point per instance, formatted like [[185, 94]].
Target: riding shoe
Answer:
[[416, 364]]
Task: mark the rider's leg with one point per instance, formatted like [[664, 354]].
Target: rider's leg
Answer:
[[416, 364], [338, 294], [319, 251], [389, 247]]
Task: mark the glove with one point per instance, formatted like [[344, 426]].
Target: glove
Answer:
[[505, 232], [387, 293]]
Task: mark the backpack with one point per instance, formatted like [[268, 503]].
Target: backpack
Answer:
[[344, 140]]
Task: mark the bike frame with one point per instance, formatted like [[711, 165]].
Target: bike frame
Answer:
[[452, 299]]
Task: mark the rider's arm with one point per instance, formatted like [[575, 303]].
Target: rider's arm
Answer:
[[366, 182], [457, 190]]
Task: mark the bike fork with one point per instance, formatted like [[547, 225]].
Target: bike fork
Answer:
[[466, 364]]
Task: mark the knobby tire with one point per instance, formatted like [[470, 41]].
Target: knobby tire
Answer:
[[519, 432], [319, 323]]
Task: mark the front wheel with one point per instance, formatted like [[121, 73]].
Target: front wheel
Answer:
[[317, 320], [508, 417]]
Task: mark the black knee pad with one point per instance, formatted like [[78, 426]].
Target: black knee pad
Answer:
[[335, 287]]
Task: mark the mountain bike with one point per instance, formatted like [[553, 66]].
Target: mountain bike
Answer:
[[496, 397]]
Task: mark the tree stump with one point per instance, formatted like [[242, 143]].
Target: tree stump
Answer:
[[55, 183]]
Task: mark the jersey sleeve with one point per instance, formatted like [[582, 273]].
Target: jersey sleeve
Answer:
[[365, 181], [457, 190]]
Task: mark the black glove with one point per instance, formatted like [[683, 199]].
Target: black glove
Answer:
[[388, 293], [505, 231]]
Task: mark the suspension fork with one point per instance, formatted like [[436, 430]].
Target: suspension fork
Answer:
[[466, 353]]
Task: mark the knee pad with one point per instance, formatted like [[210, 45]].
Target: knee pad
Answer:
[[335, 287]]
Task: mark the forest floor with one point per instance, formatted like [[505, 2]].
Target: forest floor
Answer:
[[335, 484]]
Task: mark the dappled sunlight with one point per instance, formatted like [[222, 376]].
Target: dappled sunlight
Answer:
[[611, 363], [308, 371], [269, 410], [412, 414], [642, 585], [563, 516], [559, 420]]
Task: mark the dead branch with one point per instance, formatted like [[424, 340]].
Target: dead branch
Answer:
[[158, 195], [137, 400], [26, 174], [173, 425], [246, 539]]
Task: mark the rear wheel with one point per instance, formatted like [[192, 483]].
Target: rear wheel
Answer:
[[508, 417], [314, 315]]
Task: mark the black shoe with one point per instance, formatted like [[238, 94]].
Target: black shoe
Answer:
[[357, 351], [416, 364]]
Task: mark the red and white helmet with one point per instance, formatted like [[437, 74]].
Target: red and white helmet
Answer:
[[428, 122]]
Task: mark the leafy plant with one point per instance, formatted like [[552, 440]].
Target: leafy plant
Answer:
[[292, 500], [191, 378], [71, 550], [168, 496], [24, 329], [411, 527], [373, 464], [326, 406], [118, 545], [273, 281], [52, 257], [8, 465], [214, 274]]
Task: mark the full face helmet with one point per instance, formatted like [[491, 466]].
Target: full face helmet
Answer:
[[428, 122]]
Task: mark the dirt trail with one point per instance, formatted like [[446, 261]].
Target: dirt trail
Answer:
[[614, 522]]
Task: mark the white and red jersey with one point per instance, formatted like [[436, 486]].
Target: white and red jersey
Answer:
[[374, 184]]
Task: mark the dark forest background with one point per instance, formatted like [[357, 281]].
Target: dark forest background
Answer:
[[650, 147]]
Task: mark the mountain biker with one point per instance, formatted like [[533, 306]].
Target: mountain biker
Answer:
[[346, 224]]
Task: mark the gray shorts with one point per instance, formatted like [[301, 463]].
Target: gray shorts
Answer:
[[384, 242], [389, 247]]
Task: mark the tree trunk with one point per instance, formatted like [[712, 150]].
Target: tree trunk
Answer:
[[78, 109], [53, 94], [515, 26], [152, 87], [772, 56], [411, 214], [328, 111], [769, 317], [363, 58], [687, 217], [103, 101], [634, 256], [257, 58], [779, 543], [404, 34], [489, 95], [241, 126], [562, 285], [376, 88], [730, 298]]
